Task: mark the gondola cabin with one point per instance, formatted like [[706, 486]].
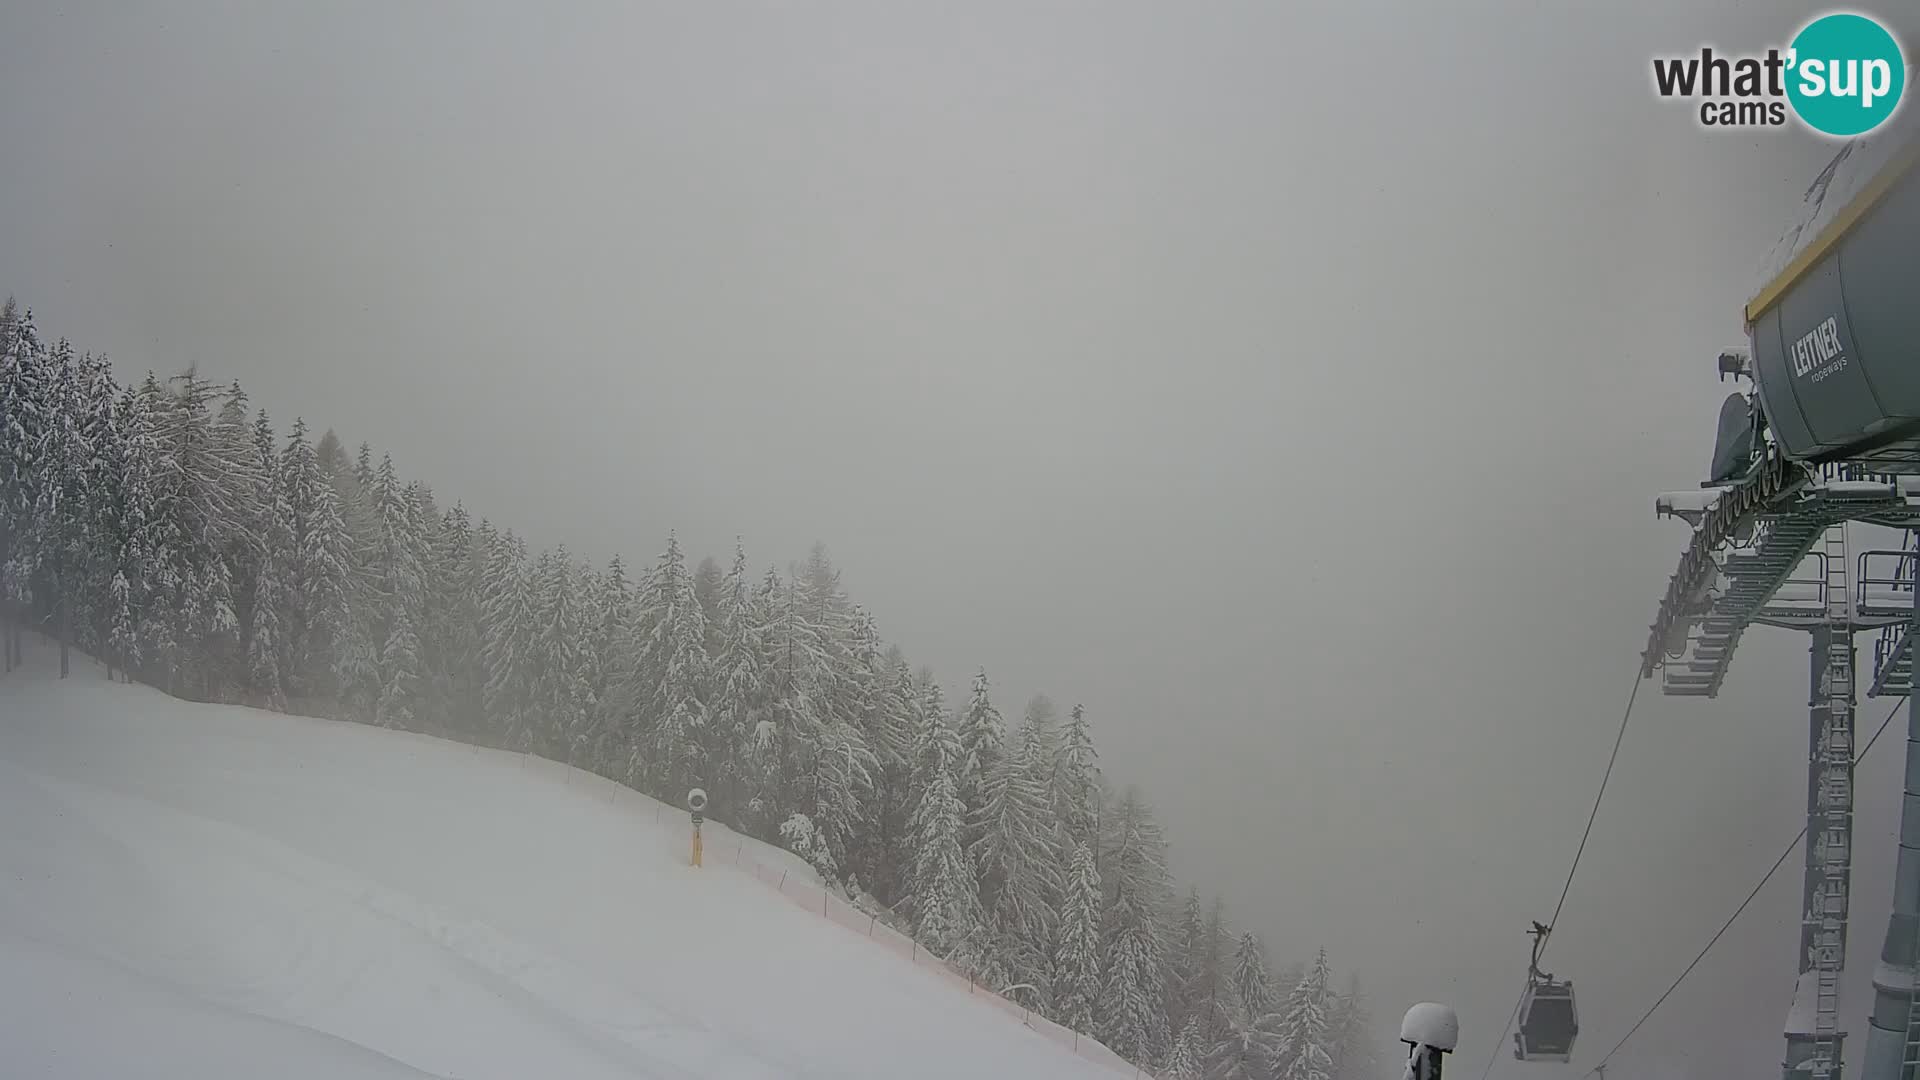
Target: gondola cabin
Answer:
[[1548, 1022]]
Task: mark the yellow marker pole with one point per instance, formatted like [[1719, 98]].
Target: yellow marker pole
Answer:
[[697, 804]]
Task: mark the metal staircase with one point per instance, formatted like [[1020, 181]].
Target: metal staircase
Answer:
[[1890, 576], [1892, 663], [1754, 575]]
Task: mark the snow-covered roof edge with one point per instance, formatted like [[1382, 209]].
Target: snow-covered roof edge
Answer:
[[1846, 176]]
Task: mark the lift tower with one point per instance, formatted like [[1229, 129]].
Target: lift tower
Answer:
[[1830, 434], [1795, 571]]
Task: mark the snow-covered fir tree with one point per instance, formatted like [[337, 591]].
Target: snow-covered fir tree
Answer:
[[397, 597], [52, 543], [1250, 979], [888, 726], [319, 570], [742, 784], [25, 400], [557, 661], [831, 694], [1185, 944], [1077, 952], [808, 746], [860, 681], [983, 743], [891, 718], [1210, 995], [671, 678], [707, 580], [1183, 1060], [1134, 1014], [1306, 1045], [1076, 782], [357, 650], [400, 675], [138, 569], [451, 643], [1037, 742], [1133, 997], [267, 654], [606, 616], [119, 507], [1015, 855], [828, 610], [1248, 1046], [1348, 1021], [204, 501], [770, 753], [1246, 1051], [942, 898], [93, 538], [363, 473], [842, 786], [506, 639]]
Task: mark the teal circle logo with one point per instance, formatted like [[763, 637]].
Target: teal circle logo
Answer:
[[1846, 74]]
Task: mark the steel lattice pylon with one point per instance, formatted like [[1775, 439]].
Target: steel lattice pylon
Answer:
[[1829, 434], [1785, 561]]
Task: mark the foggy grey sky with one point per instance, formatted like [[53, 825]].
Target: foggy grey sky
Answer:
[[1288, 383]]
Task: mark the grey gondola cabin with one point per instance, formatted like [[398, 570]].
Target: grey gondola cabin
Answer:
[[1548, 1023], [1547, 1019]]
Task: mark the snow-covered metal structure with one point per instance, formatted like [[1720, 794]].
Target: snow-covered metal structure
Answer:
[[1830, 434], [1833, 327], [1430, 1031]]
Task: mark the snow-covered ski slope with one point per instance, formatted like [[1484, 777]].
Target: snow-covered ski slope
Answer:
[[194, 892]]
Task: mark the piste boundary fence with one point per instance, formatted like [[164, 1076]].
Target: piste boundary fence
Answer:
[[804, 892]]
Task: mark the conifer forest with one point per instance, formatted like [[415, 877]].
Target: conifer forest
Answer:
[[173, 531]]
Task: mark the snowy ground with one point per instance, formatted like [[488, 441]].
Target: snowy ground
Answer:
[[200, 892]]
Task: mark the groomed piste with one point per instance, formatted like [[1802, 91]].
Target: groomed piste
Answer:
[[197, 892]]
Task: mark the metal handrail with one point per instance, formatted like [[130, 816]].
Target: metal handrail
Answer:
[[1905, 563], [1816, 581]]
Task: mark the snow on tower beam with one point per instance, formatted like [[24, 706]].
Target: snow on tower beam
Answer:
[[1784, 509], [1734, 512], [1833, 330]]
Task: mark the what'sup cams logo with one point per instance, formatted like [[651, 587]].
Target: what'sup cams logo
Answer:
[[1842, 75]]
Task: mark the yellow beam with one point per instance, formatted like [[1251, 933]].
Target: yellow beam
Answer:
[[1863, 204]]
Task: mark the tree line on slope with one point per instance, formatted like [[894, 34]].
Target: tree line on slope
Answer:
[[166, 529]]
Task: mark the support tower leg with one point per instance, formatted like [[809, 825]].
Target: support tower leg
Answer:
[[1813, 1032], [1893, 1035]]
